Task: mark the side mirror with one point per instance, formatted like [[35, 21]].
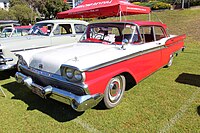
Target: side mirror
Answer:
[[124, 42]]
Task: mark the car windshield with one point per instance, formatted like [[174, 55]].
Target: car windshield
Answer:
[[6, 32], [111, 33], [43, 29]]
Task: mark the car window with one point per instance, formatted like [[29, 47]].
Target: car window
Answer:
[[159, 32], [63, 29], [113, 33], [6, 32], [147, 33], [79, 28], [43, 29], [130, 33]]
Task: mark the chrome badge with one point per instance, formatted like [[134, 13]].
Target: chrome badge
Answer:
[[40, 66]]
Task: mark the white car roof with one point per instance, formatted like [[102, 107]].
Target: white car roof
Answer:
[[64, 21]]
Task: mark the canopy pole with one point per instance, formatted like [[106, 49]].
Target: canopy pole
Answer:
[[120, 14], [149, 16], [73, 3]]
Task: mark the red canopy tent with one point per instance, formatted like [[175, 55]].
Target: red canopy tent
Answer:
[[103, 8]]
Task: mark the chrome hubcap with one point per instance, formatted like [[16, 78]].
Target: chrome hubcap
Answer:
[[115, 89]]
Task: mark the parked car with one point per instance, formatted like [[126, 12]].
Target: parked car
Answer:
[[109, 58], [42, 34], [8, 23], [15, 31]]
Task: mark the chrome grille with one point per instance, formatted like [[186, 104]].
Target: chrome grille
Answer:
[[44, 79]]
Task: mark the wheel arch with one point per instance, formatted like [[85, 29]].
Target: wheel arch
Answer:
[[130, 80]]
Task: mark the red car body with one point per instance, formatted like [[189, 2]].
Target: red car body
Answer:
[[100, 66]]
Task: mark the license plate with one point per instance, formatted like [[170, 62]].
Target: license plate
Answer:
[[38, 91]]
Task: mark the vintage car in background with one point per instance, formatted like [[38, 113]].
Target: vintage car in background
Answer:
[[42, 34], [8, 23], [15, 31], [109, 58]]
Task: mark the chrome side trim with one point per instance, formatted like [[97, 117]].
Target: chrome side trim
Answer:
[[4, 60], [55, 76], [124, 58], [29, 49], [78, 103]]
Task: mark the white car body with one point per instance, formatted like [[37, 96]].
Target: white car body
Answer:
[[58, 35]]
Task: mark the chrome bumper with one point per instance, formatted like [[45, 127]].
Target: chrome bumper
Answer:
[[78, 103], [4, 60], [4, 66]]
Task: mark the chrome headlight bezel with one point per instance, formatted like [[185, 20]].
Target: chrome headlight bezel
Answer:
[[72, 74]]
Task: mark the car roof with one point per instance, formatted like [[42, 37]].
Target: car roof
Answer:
[[23, 27], [149, 23], [139, 23], [63, 21]]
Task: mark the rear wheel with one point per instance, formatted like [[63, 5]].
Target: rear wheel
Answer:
[[114, 91]]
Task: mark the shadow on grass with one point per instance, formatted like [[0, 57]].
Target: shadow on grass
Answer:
[[198, 110], [7, 74], [59, 111], [190, 79]]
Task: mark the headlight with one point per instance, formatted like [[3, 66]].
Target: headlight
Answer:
[[69, 73], [72, 74], [78, 75]]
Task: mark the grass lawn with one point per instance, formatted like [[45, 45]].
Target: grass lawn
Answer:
[[167, 101]]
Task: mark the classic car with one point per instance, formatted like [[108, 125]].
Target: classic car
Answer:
[[42, 34], [15, 31], [109, 58]]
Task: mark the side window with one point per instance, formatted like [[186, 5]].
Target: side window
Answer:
[[15, 33], [159, 33], [130, 32], [79, 28], [114, 30], [63, 29], [147, 33], [127, 33]]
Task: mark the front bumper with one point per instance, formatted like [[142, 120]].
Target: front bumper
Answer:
[[78, 103], [4, 67]]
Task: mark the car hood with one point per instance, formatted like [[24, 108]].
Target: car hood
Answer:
[[81, 55]]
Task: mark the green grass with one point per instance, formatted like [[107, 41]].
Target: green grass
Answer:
[[171, 96]]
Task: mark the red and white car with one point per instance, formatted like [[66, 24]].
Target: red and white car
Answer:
[[108, 58]]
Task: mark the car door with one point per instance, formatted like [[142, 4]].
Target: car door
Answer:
[[150, 59]]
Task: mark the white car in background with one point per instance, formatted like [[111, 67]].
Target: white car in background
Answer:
[[15, 31], [43, 34]]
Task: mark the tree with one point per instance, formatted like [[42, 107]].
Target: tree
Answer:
[[49, 8], [6, 15], [18, 2], [22, 13]]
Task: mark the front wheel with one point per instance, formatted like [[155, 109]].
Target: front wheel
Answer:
[[114, 91]]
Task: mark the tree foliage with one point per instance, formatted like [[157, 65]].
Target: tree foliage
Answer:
[[49, 8], [23, 13], [18, 2], [25, 10], [6, 15]]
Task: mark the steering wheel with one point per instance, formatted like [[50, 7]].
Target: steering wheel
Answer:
[[99, 36]]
